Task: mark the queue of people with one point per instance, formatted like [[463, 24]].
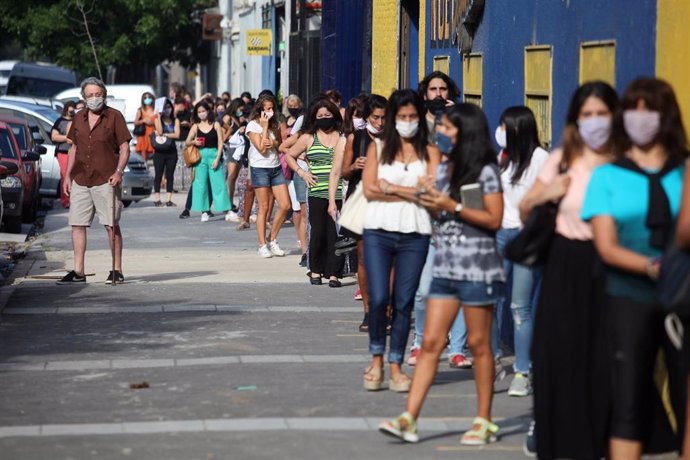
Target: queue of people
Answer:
[[447, 197]]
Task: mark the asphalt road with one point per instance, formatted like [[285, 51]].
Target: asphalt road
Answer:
[[240, 357]]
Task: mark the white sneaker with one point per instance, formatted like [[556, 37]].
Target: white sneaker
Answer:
[[252, 218], [232, 217], [520, 386], [265, 252], [204, 217], [275, 249]]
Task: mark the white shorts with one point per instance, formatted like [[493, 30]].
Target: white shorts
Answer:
[[293, 197], [86, 202]]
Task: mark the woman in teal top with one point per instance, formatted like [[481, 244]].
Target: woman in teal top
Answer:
[[632, 205], [321, 139]]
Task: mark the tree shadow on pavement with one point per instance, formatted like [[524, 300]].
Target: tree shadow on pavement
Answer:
[[172, 276]]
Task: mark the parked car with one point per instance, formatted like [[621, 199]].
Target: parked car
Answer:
[[137, 183], [38, 82], [41, 120], [6, 169], [16, 189], [20, 129], [5, 70]]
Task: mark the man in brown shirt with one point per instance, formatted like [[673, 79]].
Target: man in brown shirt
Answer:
[[97, 159]]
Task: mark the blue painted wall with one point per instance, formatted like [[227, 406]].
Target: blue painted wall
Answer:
[[268, 63], [342, 41], [507, 27]]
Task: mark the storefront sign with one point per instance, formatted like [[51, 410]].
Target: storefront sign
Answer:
[[259, 42]]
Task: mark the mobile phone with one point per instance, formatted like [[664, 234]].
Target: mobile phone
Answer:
[[472, 196], [201, 140]]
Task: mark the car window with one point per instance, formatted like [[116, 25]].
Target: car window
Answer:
[[36, 87], [6, 146], [50, 114], [20, 134]]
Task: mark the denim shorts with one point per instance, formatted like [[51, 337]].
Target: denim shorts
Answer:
[[469, 293], [267, 177], [300, 188]]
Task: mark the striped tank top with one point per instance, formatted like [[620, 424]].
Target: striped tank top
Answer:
[[320, 160]]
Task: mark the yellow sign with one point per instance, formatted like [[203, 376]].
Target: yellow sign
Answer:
[[259, 42]]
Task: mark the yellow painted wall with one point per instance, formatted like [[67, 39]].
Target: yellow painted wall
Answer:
[[422, 39], [673, 50], [384, 47]]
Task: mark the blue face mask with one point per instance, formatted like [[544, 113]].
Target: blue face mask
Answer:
[[444, 143], [148, 101]]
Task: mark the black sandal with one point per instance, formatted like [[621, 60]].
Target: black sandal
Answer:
[[364, 327], [315, 280], [334, 283], [170, 204], [157, 204]]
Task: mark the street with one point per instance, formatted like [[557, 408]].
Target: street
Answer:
[[207, 352]]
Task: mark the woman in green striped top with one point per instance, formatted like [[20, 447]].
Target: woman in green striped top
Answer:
[[320, 140]]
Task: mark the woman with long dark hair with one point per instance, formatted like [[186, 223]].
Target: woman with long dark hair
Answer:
[[236, 154], [165, 160], [571, 402], [396, 230], [632, 205], [521, 160], [207, 135], [267, 176], [353, 160], [320, 141], [58, 134], [467, 272]]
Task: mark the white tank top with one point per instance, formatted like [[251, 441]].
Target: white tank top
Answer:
[[399, 216]]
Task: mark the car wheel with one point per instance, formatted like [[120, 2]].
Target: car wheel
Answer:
[[126, 203], [13, 224]]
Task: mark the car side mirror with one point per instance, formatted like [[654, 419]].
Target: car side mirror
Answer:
[[12, 168], [41, 149], [31, 156]]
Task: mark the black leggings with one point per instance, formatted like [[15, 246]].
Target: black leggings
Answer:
[[322, 238], [164, 162]]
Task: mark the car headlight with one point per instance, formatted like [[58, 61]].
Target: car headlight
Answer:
[[11, 182], [126, 169]]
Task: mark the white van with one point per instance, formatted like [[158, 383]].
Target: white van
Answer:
[[125, 98]]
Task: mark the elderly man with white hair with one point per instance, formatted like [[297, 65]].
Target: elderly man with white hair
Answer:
[[97, 159]]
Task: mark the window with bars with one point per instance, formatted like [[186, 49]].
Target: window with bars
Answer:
[[538, 87], [473, 78], [598, 62]]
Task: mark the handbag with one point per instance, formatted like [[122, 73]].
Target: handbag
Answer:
[[192, 156], [674, 281], [161, 143], [287, 172], [139, 130], [354, 210], [531, 246]]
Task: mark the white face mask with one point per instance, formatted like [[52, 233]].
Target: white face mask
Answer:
[[94, 103], [373, 130], [501, 138], [595, 131], [269, 114], [642, 126], [407, 129], [358, 123]]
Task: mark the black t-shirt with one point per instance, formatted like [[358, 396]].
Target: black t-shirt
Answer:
[[210, 138], [185, 117], [360, 144], [60, 126]]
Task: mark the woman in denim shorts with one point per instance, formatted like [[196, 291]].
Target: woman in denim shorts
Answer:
[[467, 272]]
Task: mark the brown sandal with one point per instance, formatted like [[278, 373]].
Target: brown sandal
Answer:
[[400, 384], [373, 378]]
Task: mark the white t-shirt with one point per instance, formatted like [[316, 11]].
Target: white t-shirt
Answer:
[[297, 126], [256, 158], [513, 194]]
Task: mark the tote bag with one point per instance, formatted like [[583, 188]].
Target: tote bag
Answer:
[[354, 210]]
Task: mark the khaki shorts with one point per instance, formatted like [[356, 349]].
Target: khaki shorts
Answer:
[[86, 202]]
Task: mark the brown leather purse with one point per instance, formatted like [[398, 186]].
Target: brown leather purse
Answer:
[[192, 156]]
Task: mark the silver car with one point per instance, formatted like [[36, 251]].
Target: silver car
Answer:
[[137, 183]]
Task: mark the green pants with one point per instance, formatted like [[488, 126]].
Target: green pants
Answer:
[[205, 172]]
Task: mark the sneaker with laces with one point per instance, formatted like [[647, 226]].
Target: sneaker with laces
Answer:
[[184, 214], [520, 386], [530, 445], [414, 354], [72, 278], [358, 294], [403, 427], [119, 278], [275, 249], [460, 361], [231, 216], [204, 217], [265, 252]]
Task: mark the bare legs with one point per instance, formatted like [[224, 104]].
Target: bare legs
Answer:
[[440, 315], [233, 171], [79, 245], [266, 199]]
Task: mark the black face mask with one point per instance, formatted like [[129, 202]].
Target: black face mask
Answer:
[[294, 113], [435, 106], [325, 124]]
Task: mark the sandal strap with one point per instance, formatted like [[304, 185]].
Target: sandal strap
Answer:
[[486, 426]]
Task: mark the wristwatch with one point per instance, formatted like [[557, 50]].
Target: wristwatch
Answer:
[[458, 208], [119, 171]]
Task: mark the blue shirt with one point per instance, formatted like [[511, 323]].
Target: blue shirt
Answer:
[[624, 195]]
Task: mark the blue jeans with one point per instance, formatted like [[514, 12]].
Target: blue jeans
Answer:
[[458, 332], [381, 250], [523, 297]]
